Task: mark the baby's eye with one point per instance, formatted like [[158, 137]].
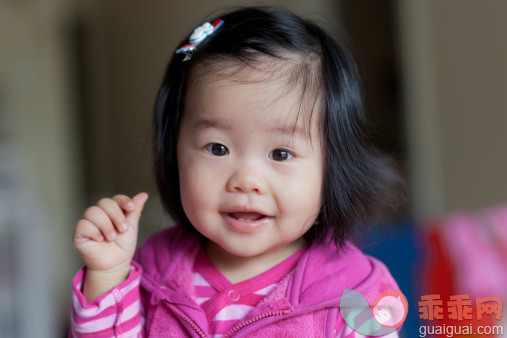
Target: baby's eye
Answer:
[[280, 155], [217, 149]]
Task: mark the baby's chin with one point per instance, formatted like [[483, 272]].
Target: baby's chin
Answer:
[[242, 252], [237, 249]]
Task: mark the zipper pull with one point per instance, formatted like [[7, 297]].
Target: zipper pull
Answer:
[[158, 295], [282, 304]]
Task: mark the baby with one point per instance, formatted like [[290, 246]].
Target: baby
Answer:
[[262, 159]]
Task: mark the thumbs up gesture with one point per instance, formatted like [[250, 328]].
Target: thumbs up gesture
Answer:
[[106, 235]]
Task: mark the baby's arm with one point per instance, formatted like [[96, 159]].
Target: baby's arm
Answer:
[[106, 291], [118, 312], [98, 283]]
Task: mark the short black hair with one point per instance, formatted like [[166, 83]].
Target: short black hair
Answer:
[[359, 184]]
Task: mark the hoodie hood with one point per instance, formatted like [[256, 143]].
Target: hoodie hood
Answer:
[[325, 272]]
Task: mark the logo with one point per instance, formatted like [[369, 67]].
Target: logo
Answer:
[[385, 315]]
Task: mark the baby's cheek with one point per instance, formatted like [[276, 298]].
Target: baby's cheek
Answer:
[[204, 186], [189, 187], [300, 202], [308, 193], [193, 193]]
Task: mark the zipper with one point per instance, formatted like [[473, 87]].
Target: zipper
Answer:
[[189, 321], [236, 327]]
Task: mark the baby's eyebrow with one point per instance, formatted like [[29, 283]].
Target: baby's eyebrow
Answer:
[[289, 130], [207, 123], [204, 123]]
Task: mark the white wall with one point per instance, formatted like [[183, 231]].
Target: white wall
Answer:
[[36, 108], [455, 80]]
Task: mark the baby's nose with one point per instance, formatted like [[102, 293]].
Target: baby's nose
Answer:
[[246, 179]]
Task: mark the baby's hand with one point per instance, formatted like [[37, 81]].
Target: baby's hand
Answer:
[[106, 236]]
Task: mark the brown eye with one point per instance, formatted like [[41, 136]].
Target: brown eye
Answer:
[[217, 149], [281, 155]]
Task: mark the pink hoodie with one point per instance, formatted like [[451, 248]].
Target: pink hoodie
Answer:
[[305, 303]]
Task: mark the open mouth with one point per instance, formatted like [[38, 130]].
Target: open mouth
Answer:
[[246, 222], [246, 216]]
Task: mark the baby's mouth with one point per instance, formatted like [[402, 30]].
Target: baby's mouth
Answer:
[[246, 216]]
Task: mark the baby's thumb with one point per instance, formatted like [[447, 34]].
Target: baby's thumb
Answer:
[[139, 201]]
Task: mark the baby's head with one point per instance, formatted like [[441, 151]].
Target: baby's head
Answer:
[[260, 136]]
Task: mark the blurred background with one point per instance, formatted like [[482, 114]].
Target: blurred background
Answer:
[[78, 79]]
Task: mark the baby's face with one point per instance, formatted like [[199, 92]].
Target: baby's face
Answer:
[[247, 182]]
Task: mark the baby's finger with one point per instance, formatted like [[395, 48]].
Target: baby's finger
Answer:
[[115, 213], [139, 200], [125, 202], [101, 220], [85, 229]]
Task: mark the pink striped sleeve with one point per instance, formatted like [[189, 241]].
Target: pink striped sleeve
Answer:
[[118, 312]]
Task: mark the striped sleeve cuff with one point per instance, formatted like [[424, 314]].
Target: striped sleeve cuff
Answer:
[[117, 312]]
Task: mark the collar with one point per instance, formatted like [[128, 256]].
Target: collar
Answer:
[[321, 274]]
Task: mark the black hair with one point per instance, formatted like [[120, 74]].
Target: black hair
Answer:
[[359, 184]]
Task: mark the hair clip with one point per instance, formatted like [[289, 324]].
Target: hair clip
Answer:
[[198, 36]]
